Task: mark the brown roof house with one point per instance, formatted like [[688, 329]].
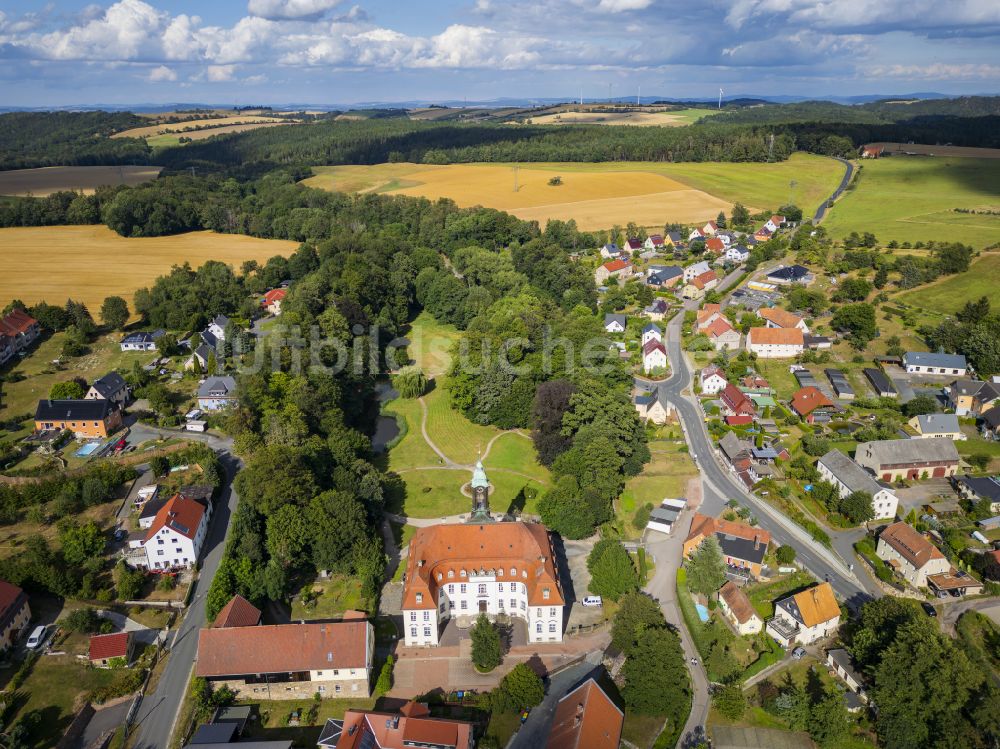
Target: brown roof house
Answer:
[[775, 343], [738, 609], [910, 554], [112, 651], [289, 661], [15, 614], [775, 317], [805, 617], [412, 726], [809, 401], [743, 546], [239, 612], [586, 718]]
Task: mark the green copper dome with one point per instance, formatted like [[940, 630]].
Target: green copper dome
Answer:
[[479, 476]]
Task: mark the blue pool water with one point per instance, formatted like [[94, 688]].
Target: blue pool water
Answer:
[[87, 449], [702, 612]]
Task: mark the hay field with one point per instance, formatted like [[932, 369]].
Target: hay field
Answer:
[[599, 195], [912, 199], [179, 127], [47, 180], [923, 149], [637, 118], [89, 263]]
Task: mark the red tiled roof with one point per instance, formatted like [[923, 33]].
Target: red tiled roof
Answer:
[[715, 244], [412, 727], [704, 279], [737, 602], [718, 326], [652, 345], [10, 594], [438, 550], [739, 420], [179, 514], [705, 525], [239, 612], [777, 220], [613, 266], [776, 336], [586, 718], [808, 399], [736, 400], [109, 646], [780, 317], [707, 311], [275, 295], [913, 547], [281, 648], [16, 322]]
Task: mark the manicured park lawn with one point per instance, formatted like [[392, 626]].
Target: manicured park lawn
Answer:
[[516, 452], [666, 475], [411, 451], [912, 199], [431, 343], [455, 435], [949, 293], [438, 492]]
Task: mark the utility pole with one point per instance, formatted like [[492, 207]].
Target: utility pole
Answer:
[[638, 97]]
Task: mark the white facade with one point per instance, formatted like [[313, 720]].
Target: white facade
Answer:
[[787, 630], [651, 334], [884, 501], [713, 384], [773, 350], [915, 576], [613, 326], [654, 359], [737, 254], [693, 271], [464, 600]]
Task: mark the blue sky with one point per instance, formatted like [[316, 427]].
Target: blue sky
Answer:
[[72, 52]]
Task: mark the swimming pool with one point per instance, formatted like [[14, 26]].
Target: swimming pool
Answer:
[[87, 449], [702, 612]]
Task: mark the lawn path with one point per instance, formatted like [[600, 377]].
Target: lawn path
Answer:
[[448, 462]]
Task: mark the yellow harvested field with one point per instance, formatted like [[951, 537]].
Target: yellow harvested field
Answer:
[[596, 200], [47, 180], [89, 263], [214, 126], [647, 119]]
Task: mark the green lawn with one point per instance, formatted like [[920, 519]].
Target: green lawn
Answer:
[[411, 451], [438, 492], [273, 725], [666, 475], [950, 293], [763, 596], [516, 452], [455, 435], [911, 199], [335, 596], [430, 344]]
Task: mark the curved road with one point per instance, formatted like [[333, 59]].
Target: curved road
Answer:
[[821, 211]]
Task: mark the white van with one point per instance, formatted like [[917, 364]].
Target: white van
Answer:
[[592, 601], [37, 637]]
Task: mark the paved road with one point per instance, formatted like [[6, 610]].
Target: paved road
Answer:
[[158, 711], [535, 730], [821, 211]]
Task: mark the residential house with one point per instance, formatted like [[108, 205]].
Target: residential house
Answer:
[[808, 402], [612, 269], [774, 223], [651, 332], [979, 489], [112, 387], [910, 554], [459, 571], [586, 718], [20, 328], [697, 287], [713, 380], [108, 651], [754, 382], [665, 277], [740, 454], [632, 245], [694, 270], [653, 406], [805, 617], [775, 343], [957, 582], [927, 426], [289, 661], [989, 423], [737, 608], [653, 242], [880, 383], [722, 335], [614, 323], [273, 299], [85, 418], [908, 459], [15, 614], [695, 235], [175, 536], [707, 314], [239, 612], [872, 152], [710, 229], [715, 245], [776, 317], [987, 397], [217, 393], [611, 251], [412, 726], [763, 234], [141, 340], [961, 395], [674, 239], [7, 349], [790, 274], [743, 546], [200, 358], [657, 310], [838, 469], [929, 363], [654, 356], [216, 330], [737, 254], [841, 663], [735, 402]]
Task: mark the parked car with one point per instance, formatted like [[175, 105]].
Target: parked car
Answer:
[[592, 601], [37, 637], [928, 609], [798, 653]]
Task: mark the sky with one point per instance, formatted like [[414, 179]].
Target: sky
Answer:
[[335, 52]]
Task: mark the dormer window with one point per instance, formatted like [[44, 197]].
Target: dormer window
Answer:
[[500, 573], [513, 572], [451, 574], [420, 597], [545, 593], [440, 576], [524, 573], [462, 573]]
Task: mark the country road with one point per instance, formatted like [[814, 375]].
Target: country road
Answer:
[[844, 182]]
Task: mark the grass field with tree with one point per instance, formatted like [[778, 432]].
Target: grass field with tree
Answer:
[[949, 294]]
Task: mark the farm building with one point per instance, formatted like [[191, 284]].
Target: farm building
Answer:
[[849, 477], [924, 362], [908, 459], [775, 343], [880, 383]]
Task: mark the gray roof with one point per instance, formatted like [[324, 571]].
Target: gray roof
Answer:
[[895, 452], [110, 384], [937, 423], [966, 387], [991, 417], [221, 320], [986, 487], [665, 514], [849, 473], [652, 326], [657, 305], [879, 380], [330, 735], [732, 446], [217, 387], [610, 318], [931, 359], [96, 409]]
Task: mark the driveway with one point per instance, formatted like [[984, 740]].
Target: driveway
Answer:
[[123, 624], [535, 731]]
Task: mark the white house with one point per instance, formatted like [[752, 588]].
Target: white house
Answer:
[[929, 426], [111, 387], [654, 357], [924, 362], [775, 343], [710, 229], [653, 242], [838, 469], [273, 299], [910, 554], [614, 323], [737, 254], [738, 609], [609, 251], [774, 223], [805, 617], [651, 332], [695, 270], [712, 381], [175, 536], [141, 341], [217, 393], [653, 406]]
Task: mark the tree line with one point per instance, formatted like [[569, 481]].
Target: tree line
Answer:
[[34, 139]]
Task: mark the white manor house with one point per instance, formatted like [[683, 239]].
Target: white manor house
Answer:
[[484, 566]]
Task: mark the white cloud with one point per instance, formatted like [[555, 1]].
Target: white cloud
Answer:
[[938, 71], [125, 31], [220, 73], [866, 16], [161, 73], [619, 6], [283, 9]]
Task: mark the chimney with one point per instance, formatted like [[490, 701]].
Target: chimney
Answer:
[[756, 542]]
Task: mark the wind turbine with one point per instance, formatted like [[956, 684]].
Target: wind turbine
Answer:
[[638, 97], [720, 98]]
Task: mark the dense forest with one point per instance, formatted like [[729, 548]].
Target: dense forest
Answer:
[[872, 113], [33, 139]]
